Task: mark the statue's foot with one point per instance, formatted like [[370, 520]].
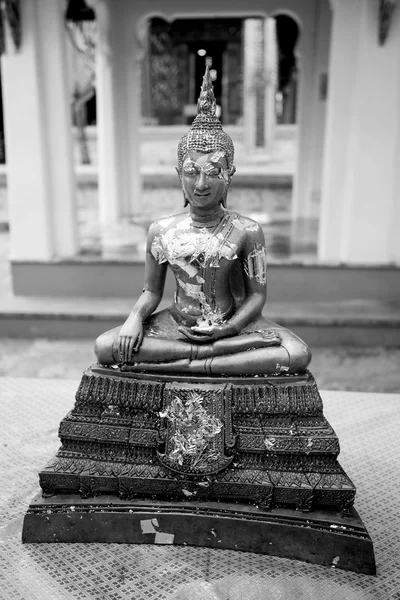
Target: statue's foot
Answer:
[[252, 361], [239, 343], [176, 366], [197, 366]]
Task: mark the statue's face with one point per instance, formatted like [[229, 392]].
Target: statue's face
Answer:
[[205, 178]]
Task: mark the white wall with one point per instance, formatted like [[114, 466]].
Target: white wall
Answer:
[[360, 216]]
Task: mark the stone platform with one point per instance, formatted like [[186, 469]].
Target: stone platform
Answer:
[[255, 444], [319, 538]]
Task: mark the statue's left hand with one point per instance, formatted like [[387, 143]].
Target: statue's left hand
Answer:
[[202, 335]]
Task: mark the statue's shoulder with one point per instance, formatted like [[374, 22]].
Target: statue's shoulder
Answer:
[[244, 223], [166, 223]]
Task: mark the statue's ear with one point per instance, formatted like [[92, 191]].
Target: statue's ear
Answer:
[[225, 196], [185, 200]]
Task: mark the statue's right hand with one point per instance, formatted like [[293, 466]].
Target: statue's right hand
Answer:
[[129, 339]]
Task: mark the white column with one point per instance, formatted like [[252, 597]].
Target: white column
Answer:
[[259, 83], [118, 85], [313, 81], [40, 180], [251, 34], [360, 218], [271, 80], [307, 57]]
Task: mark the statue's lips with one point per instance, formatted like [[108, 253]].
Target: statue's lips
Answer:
[[202, 195]]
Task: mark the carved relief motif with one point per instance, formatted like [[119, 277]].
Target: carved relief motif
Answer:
[[193, 421], [283, 399]]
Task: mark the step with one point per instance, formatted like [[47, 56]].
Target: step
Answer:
[[354, 322]]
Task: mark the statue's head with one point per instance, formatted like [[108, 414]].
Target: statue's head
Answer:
[[206, 137]]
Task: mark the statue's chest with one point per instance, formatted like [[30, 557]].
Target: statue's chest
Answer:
[[197, 247]]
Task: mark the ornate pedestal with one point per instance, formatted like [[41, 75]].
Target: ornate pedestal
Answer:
[[168, 459]]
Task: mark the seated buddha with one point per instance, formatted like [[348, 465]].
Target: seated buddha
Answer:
[[218, 257]]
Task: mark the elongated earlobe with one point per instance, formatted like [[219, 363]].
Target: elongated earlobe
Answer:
[[225, 196], [185, 200]]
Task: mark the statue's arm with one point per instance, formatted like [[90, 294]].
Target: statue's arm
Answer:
[[154, 279], [131, 333], [254, 268]]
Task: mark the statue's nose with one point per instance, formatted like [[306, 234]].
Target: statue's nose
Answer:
[[201, 183]]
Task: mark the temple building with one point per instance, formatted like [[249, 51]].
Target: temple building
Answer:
[[180, 48], [309, 91]]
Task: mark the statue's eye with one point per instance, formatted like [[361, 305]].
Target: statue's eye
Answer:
[[212, 170], [190, 169]]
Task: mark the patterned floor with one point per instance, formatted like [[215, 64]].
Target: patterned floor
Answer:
[[367, 425]]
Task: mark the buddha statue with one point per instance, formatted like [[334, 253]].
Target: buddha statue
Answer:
[[202, 414], [215, 324]]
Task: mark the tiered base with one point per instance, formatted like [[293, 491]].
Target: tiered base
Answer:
[[275, 447], [184, 447]]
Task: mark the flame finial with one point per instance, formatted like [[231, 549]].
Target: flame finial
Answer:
[[206, 103]]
